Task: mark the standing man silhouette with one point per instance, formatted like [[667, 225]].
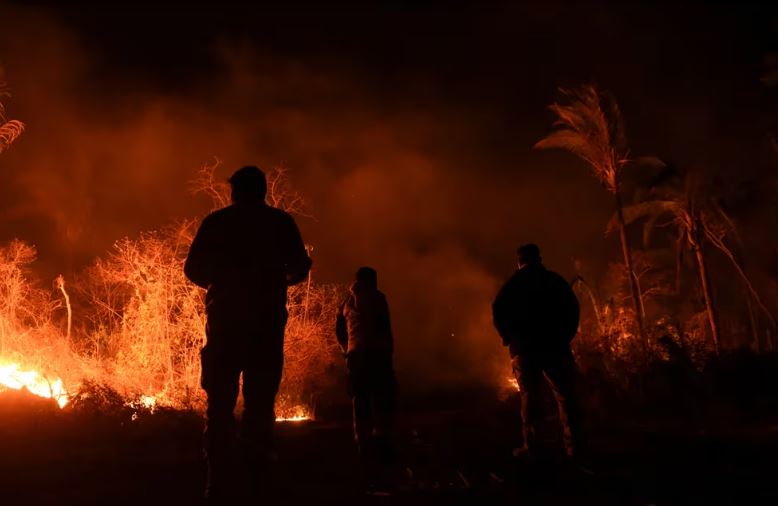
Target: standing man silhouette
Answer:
[[364, 331], [245, 255], [536, 313]]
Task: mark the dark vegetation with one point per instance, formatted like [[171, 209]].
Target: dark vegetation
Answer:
[[672, 435]]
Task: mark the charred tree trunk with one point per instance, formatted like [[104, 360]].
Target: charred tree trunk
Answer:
[[633, 282], [680, 244], [710, 307], [753, 323], [61, 285], [595, 305]]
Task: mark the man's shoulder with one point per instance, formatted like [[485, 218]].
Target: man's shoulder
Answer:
[[212, 220], [556, 278], [220, 214], [278, 214], [233, 211], [518, 276]]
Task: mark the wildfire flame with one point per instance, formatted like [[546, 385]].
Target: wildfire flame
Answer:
[[150, 403], [143, 322], [295, 414], [513, 383], [147, 402], [11, 376]]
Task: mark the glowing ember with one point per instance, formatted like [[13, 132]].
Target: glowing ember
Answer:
[[145, 402], [513, 383], [295, 414], [33, 382]]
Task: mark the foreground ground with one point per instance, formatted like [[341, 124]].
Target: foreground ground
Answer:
[[447, 454]]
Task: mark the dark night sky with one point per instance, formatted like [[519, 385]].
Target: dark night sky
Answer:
[[408, 127]]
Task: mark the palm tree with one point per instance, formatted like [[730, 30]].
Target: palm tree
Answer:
[[697, 220], [10, 130], [590, 126]]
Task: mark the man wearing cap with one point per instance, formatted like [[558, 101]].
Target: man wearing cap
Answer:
[[536, 313], [245, 255]]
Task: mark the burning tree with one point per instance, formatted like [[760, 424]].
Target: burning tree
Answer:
[[29, 337], [150, 320], [147, 320], [140, 324]]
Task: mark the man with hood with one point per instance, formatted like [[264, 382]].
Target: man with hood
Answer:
[[536, 313], [245, 255], [364, 333]]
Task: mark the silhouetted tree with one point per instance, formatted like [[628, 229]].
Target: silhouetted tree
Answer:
[[590, 126], [697, 219], [10, 130]]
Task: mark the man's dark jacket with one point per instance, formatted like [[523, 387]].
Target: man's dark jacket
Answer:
[[246, 255], [363, 322], [535, 309]]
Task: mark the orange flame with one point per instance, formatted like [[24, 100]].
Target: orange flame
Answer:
[[513, 383], [35, 383], [296, 414]]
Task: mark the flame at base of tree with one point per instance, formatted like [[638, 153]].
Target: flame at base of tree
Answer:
[[11, 376], [14, 378], [142, 335], [513, 383], [297, 413], [133, 325]]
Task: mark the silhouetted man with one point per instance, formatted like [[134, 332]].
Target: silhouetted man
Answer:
[[536, 314], [364, 332], [245, 255]]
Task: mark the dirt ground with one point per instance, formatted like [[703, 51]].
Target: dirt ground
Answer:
[[446, 455]]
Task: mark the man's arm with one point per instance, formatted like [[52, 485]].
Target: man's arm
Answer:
[[572, 311], [341, 329], [199, 262], [296, 259], [501, 314], [384, 320]]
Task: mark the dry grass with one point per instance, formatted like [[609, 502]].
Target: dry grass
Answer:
[[140, 323]]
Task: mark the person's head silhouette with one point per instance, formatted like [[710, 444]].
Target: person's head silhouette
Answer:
[[367, 276], [248, 185], [528, 254]]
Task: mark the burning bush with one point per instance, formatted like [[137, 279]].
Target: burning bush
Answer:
[[33, 351], [142, 323], [149, 320]]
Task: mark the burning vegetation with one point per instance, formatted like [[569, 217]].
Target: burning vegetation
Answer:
[[654, 310], [131, 326]]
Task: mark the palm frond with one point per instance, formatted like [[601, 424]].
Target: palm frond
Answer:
[[615, 122], [718, 241], [729, 223], [9, 132], [585, 129], [648, 228], [650, 162], [572, 141], [640, 210]]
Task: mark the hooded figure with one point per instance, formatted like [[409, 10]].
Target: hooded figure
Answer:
[[364, 333], [245, 255], [536, 313]]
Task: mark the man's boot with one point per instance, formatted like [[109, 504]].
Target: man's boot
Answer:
[[218, 452], [218, 485]]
